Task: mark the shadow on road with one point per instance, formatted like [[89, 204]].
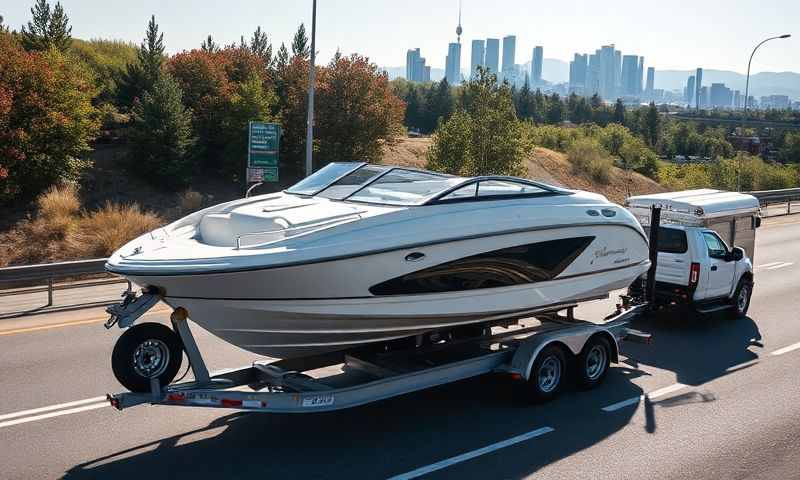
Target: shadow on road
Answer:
[[401, 434]]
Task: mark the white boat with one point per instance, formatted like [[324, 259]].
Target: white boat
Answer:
[[359, 253]]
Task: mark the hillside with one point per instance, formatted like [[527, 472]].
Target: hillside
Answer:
[[544, 165]]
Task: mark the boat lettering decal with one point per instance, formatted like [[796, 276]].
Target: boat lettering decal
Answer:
[[604, 252]]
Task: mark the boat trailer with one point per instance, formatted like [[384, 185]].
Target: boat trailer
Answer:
[[539, 355]]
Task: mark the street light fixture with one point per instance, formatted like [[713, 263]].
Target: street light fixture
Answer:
[[747, 98], [311, 72]]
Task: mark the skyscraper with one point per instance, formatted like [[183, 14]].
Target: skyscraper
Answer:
[[698, 85], [452, 69], [690, 91], [492, 56], [651, 80], [720, 96], [639, 76], [509, 55], [608, 73], [478, 52], [630, 67], [577, 74], [415, 67], [593, 76], [536, 65]]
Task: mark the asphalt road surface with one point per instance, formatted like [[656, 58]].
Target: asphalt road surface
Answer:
[[711, 398]]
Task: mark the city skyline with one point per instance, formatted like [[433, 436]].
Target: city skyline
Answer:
[[384, 33]]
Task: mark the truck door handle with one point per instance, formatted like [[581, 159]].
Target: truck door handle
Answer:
[[714, 268]]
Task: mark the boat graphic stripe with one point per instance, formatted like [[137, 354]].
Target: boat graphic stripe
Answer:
[[389, 297]]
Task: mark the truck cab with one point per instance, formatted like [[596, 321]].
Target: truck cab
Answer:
[[706, 243], [696, 267]]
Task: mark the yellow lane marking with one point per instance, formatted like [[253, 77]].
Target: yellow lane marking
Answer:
[[70, 324]]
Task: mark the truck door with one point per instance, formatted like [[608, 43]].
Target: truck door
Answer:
[[719, 273]]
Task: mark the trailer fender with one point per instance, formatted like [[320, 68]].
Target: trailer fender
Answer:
[[571, 342]]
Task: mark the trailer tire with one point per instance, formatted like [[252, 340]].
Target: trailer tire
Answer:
[[145, 351], [741, 298], [547, 374], [593, 362]]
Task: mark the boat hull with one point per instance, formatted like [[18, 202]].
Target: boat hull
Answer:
[[309, 308]]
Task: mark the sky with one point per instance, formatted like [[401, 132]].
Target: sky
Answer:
[[678, 34]]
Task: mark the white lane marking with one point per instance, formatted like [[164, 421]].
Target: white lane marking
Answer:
[[742, 365], [768, 264], [788, 349], [469, 455], [634, 400], [33, 411], [91, 406], [785, 264]]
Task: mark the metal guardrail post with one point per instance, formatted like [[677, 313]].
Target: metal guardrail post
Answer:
[[49, 291]]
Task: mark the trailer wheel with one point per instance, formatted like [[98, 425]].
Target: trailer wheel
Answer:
[[146, 351], [547, 374], [741, 298], [593, 362]]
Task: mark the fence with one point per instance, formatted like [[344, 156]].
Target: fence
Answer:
[[772, 198]]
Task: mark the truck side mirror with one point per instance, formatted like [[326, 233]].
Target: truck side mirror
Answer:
[[756, 222], [736, 254]]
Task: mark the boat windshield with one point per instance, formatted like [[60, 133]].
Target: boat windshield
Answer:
[[324, 177], [404, 187]]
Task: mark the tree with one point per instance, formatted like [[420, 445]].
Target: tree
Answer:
[[356, 111], [282, 59], [652, 125], [619, 112], [261, 46], [484, 136], [555, 109], [300, 43], [790, 150], [46, 120], [141, 76], [209, 46], [47, 29], [161, 133]]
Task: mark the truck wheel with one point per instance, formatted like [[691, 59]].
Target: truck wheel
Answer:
[[145, 351], [741, 298], [593, 362], [547, 374]]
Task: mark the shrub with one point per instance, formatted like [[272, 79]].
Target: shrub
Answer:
[[587, 156], [103, 231], [59, 201]]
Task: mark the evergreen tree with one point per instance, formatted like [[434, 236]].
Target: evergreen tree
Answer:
[[140, 76], [47, 29], [209, 45], [539, 107], [300, 43], [524, 101], [619, 112], [555, 109], [283, 58], [596, 102], [261, 46], [652, 123], [161, 133]]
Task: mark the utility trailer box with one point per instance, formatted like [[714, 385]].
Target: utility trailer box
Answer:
[[734, 216]]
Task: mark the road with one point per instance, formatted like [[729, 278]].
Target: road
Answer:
[[723, 401]]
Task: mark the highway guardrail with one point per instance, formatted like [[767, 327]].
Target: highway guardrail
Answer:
[[778, 197], [41, 277]]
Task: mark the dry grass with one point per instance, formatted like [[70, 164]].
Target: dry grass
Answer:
[[190, 201], [105, 230], [59, 201]]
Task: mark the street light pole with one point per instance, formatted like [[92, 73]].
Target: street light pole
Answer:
[[747, 97], [311, 72]]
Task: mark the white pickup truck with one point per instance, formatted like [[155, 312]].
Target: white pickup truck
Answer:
[[705, 248]]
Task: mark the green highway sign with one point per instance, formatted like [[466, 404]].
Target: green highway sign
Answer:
[[262, 151]]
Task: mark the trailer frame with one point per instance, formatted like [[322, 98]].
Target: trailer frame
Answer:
[[351, 378]]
